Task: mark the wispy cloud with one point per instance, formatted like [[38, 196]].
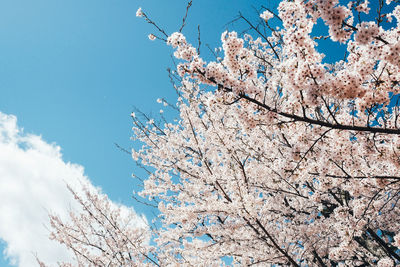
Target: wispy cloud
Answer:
[[33, 179]]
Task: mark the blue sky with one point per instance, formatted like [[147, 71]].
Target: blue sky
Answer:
[[72, 71]]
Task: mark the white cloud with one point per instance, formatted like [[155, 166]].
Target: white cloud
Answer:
[[33, 179]]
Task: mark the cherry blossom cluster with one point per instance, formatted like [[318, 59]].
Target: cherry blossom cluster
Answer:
[[266, 15], [102, 233], [225, 190], [309, 116], [290, 57]]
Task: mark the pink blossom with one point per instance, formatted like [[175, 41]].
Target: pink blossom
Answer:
[[139, 12]]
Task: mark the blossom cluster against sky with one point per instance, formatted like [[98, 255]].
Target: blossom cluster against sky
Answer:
[[71, 72]]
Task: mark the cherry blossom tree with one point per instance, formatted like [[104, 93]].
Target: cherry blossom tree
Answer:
[[288, 160], [102, 233]]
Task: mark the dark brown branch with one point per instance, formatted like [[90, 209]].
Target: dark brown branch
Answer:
[[265, 38], [358, 177], [318, 258], [389, 250], [155, 25], [185, 17], [379, 38], [321, 123], [297, 118], [223, 191], [276, 245], [198, 39]]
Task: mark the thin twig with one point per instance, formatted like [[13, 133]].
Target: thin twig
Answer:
[[185, 17]]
